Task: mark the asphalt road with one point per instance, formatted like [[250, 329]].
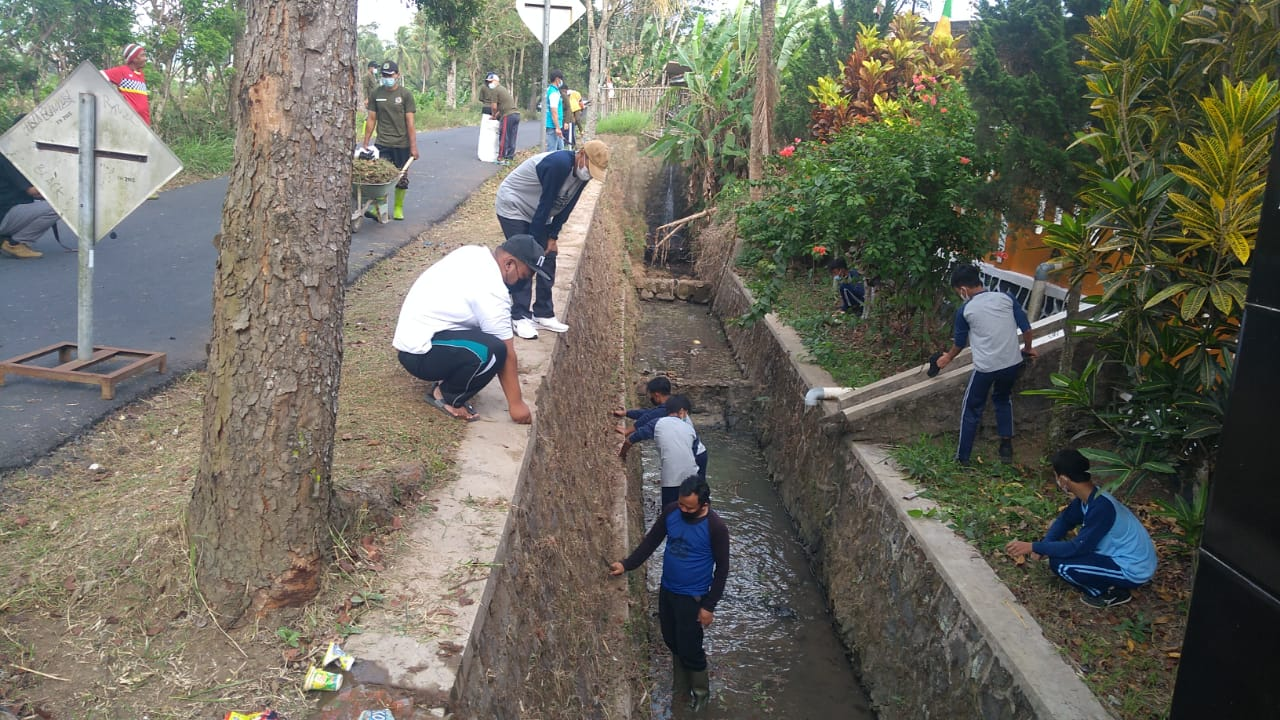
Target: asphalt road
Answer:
[[153, 287]]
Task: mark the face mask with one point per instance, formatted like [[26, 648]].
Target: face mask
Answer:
[[388, 82], [690, 517], [492, 85], [519, 285], [583, 174]]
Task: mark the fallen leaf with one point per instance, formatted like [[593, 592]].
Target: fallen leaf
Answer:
[[69, 583], [1129, 644], [1175, 655], [21, 521]]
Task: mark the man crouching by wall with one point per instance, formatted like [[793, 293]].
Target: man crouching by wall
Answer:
[[455, 325]]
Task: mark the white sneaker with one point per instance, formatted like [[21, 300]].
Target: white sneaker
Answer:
[[525, 328], [552, 323]]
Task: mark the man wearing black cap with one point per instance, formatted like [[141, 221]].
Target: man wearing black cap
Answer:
[[391, 110], [500, 104], [455, 325]]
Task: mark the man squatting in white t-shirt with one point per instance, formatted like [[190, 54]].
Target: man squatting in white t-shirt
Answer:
[[455, 325]]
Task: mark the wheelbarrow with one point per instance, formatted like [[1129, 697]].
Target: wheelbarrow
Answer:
[[372, 198]]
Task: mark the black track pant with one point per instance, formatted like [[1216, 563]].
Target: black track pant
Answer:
[[462, 361], [681, 631]]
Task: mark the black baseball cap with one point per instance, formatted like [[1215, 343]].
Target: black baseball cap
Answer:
[[373, 64], [390, 68], [528, 251]]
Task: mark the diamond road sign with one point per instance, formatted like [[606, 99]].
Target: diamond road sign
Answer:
[[564, 13], [132, 161]]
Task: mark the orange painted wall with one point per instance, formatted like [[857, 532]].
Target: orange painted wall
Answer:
[[1024, 250]]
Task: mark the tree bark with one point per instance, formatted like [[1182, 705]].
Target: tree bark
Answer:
[[257, 517], [765, 99], [451, 85]]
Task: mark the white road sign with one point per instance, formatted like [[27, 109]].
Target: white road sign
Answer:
[[564, 13], [133, 161]]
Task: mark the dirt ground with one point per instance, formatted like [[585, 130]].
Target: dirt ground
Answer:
[[98, 614]]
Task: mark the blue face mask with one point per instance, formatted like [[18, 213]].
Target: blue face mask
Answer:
[[388, 82]]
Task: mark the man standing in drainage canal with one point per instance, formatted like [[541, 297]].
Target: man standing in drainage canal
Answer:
[[695, 567]]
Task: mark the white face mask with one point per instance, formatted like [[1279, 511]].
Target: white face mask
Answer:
[[583, 174], [492, 83]]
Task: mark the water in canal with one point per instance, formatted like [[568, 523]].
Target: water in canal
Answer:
[[772, 650]]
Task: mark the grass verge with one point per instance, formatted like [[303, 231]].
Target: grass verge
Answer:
[[99, 617], [630, 122], [1128, 655], [855, 351]]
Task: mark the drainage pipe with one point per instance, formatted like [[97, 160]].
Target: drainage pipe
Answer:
[[812, 397], [1036, 302]]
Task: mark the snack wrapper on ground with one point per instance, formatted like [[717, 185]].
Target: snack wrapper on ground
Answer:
[[376, 715], [338, 655], [263, 715]]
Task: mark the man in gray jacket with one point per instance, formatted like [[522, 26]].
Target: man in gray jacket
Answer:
[[536, 199]]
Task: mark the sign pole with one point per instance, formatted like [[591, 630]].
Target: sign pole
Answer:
[[88, 216], [546, 62]]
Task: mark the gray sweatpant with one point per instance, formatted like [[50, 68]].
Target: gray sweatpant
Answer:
[[26, 223]]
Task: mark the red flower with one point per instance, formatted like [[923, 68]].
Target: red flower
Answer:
[[787, 151], [819, 250], [942, 109], [965, 160]]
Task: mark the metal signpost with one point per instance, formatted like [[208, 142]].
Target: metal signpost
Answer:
[[95, 161], [547, 21]]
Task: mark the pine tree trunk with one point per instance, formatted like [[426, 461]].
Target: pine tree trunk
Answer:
[[257, 518], [451, 85], [765, 99]]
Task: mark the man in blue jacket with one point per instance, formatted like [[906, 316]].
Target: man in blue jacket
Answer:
[[695, 567], [1110, 554], [536, 199]]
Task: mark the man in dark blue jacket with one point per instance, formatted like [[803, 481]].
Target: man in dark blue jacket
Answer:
[[1111, 553], [24, 215], [536, 199], [695, 567]]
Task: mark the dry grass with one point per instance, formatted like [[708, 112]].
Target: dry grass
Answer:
[[99, 617]]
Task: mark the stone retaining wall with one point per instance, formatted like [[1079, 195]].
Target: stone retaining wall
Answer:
[[549, 641], [932, 630]]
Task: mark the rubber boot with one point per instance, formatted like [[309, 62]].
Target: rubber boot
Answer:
[[679, 681], [701, 686], [399, 212]]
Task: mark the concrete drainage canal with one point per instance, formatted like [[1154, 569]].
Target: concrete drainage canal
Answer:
[[772, 650]]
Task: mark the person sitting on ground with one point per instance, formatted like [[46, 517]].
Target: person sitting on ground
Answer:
[[849, 286], [677, 441], [24, 214], [455, 325], [1111, 553]]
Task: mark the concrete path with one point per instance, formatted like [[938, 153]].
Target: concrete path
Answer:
[[153, 288]]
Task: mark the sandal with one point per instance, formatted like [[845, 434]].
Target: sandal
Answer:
[[443, 407]]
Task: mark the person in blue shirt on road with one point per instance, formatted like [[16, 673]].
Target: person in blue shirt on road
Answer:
[[695, 567], [989, 322], [1111, 553], [553, 111]]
